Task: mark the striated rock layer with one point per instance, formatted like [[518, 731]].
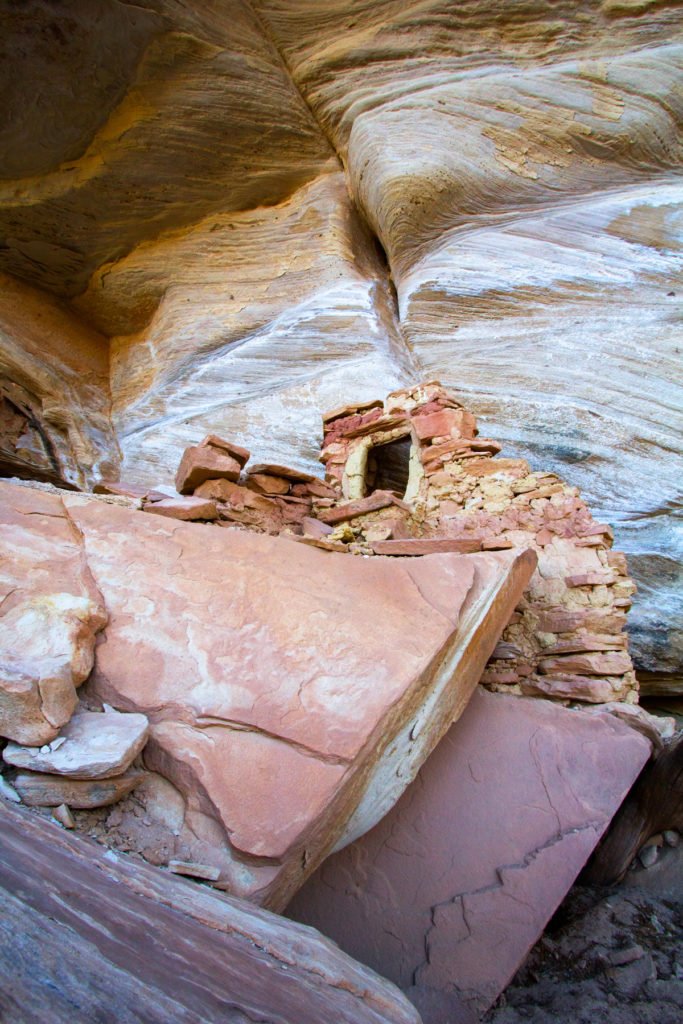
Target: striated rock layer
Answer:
[[274, 206], [86, 930]]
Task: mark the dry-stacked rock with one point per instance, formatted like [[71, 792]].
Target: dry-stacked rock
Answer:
[[566, 638], [88, 765]]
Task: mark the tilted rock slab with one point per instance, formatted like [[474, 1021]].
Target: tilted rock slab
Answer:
[[292, 693], [92, 930], [91, 746], [449, 892]]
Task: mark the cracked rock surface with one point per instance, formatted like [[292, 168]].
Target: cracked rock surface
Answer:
[[608, 954], [449, 892]]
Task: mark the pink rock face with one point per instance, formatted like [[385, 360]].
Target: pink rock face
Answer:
[[449, 892], [275, 675], [159, 947], [39, 553], [292, 693], [37, 696], [50, 611]]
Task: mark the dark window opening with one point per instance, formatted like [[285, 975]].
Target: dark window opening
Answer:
[[389, 467]]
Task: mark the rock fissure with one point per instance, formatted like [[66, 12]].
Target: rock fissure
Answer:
[[206, 721]]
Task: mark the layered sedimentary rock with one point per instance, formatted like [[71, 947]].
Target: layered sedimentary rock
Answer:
[[520, 165], [183, 111], [211, 335], [292, 695], [85, 930], [54, 391], [449, 892], [204, 184]]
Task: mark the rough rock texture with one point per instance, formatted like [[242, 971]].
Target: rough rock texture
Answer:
[[46, 650], [54, 391], [38, 789], [270, 207], [292, 694], [611, 955], [565, 640], [91, 746], [449, 892], [84, 930], [37, 697]]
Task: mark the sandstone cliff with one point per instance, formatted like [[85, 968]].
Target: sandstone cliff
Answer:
[[229, 216]]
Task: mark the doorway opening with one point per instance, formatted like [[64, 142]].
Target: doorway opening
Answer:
[[388, 467]]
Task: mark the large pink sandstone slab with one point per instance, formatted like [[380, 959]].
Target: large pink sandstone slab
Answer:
[[292, 693], [449, 892]]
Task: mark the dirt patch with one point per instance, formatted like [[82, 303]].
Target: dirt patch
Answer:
[[609, 954]]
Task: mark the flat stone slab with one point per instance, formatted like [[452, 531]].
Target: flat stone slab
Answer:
[[292, 693], [426, 546], [447, 894], [39, 790], [92, 745], [92, 930], [188, 508]]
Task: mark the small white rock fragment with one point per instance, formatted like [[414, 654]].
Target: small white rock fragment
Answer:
[[8, 792], [63, 815]]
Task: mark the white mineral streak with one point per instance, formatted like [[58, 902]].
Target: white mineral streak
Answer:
[[243, 346], [520, 165]]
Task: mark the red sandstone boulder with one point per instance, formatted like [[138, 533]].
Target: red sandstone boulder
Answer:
[[46, 650], [157, 947], [37, 696], [292, 693], [211, 459], [449, 892]]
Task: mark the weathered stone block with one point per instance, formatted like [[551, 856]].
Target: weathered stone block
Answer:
[[92, 745], [211, 459]]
